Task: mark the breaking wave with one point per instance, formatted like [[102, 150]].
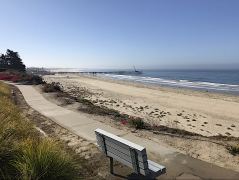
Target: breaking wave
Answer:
[[177, 83]]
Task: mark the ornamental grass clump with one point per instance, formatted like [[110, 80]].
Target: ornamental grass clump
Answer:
[[24, 154], [44, 160]]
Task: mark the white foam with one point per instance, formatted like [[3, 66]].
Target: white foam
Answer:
[[177, 83]]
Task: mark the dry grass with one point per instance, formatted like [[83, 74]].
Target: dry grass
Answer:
[[24, 154], [44, 160], [4, 90]]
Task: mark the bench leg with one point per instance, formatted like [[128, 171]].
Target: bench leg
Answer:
[[111, 165]]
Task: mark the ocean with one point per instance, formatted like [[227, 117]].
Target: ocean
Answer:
[[225, 81]]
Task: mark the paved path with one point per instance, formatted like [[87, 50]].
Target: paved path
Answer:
[[178, 165]]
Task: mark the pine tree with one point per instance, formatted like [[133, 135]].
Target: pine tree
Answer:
[[11, 60]]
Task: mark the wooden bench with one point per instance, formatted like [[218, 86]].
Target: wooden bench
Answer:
[[128, 153]]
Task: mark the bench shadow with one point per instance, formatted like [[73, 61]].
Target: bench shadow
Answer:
[[133, 176], [141, 177]]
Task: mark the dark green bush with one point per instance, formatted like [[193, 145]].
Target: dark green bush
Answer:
[[35, 79], [138, 123], [52, 87], [233, 149]]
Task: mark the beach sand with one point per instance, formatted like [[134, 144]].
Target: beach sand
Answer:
[[208, 114]]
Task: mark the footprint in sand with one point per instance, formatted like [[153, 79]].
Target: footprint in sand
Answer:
[[233, 125], [205, 122], [218, 125], [227, 133], [194, 120], [202, 116], [230, 129]]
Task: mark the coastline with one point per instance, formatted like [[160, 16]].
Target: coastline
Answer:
[[205, 113], [183, 90], [199, 81]]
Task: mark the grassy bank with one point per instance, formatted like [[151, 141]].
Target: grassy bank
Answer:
[[24, 153]]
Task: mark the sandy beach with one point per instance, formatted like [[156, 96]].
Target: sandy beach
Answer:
[[208, 114]]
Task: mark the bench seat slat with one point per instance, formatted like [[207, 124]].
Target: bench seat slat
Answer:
[[125, 157], [119, 139], [142, 155], [112, 146], [120, 143]]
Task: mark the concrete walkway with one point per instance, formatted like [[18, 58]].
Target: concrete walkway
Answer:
[[178, 165]]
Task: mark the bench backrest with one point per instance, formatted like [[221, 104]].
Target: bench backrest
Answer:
[[122, 150]]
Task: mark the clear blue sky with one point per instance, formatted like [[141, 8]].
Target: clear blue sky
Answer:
[[122, 33]]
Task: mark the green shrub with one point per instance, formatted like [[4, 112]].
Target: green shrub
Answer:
[[35, 79], [44, 160], [53, 87], [233, 149], [138, 123]]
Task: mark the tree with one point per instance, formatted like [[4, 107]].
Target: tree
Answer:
[[2, 62], [2, 57], [11, 60]]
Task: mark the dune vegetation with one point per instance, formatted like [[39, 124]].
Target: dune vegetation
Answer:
[[24, 152]]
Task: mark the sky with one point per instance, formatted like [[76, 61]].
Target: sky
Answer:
[[149, 34]]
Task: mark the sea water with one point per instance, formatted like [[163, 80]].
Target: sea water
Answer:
[[225, 81], [209, 80]]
